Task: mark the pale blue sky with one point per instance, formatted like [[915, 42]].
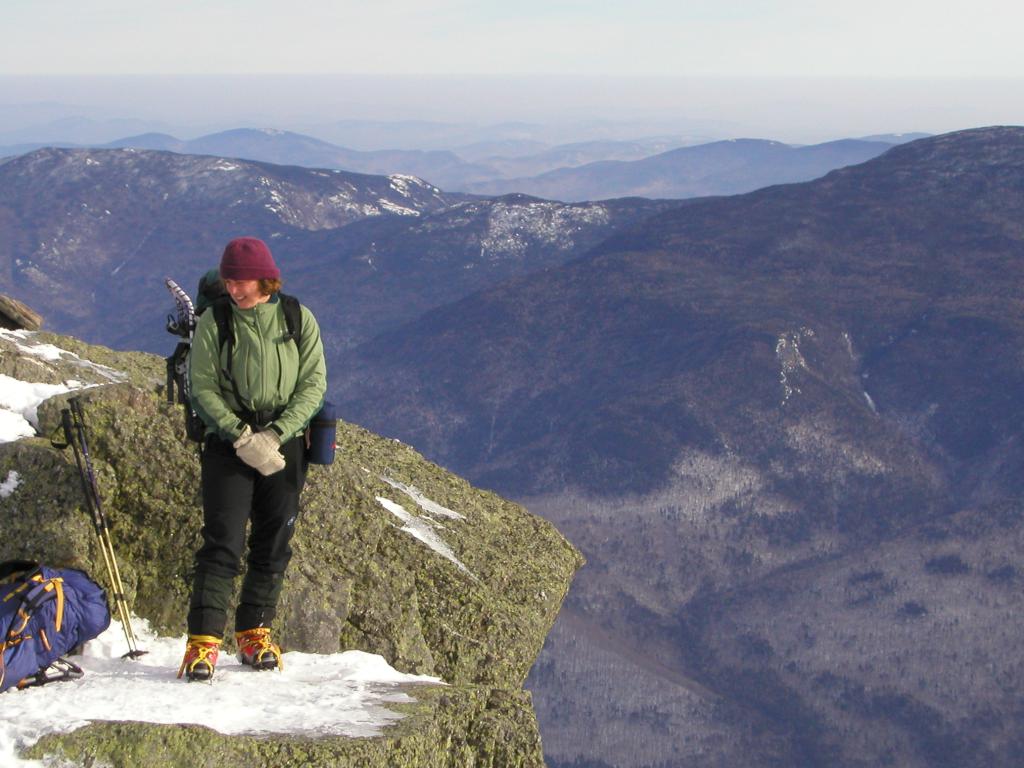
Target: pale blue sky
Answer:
[[893, 38], [797, 70]]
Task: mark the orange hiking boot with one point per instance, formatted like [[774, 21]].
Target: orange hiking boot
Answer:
[[200, 657], [256, 650]]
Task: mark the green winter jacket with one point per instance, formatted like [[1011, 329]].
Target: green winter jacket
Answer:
[[270, 370]]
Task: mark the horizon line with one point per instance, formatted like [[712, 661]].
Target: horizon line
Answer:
[[523, 75]]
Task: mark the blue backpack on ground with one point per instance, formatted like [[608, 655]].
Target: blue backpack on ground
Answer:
[[45, 613]]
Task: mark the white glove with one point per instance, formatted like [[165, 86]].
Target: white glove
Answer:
[[260, 450]]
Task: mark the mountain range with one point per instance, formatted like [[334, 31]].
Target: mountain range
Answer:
[[718, 168], [782, 425], [90, 234], [656, 167], [871, 253], [87, 233], [289, 148], [37, 121], [802, 402]]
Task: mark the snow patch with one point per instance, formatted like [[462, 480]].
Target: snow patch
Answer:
[[53, 353], [19, 402], [45, 351], [414, 493], [787, 351], [391, 207], [401, 183], [422, 529], [849, 345], [343, 201], [315, 695], [871, 403], [13, 426], [512, 228], [10, 485]]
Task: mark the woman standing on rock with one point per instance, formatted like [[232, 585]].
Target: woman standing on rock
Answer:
[[256, 395]]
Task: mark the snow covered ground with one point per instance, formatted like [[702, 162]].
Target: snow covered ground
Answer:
[[343, 694]]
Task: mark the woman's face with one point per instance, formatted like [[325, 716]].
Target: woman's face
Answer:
[[245, 293]]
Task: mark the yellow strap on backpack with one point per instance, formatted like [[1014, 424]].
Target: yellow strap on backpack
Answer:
[[58, 584]]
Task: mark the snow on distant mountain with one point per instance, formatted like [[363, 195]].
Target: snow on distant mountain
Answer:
[[119, 219], [288, 148], [367, 252]]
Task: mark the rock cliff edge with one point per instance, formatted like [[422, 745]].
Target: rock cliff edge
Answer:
[[393, 556]]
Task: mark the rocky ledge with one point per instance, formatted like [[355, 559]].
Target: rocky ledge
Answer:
[[393, 556]]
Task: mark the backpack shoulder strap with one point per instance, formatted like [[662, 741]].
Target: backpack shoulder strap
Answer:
[[226, 336], [292, 316], [225, 329]]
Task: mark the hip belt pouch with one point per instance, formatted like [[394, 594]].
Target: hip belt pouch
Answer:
[[321, 435]]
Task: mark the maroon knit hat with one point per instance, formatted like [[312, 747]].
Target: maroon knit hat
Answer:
[[247, 258]]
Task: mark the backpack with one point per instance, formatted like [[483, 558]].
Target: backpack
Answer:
[[211, 294], [45, 613]]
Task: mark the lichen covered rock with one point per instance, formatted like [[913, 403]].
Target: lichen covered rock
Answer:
[[392, 554]]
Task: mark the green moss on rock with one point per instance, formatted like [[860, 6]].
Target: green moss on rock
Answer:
[[358, 578]]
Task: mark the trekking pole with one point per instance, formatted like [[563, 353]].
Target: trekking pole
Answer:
[[74, 432]]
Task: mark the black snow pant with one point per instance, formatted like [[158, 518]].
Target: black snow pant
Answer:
[[234, 493]]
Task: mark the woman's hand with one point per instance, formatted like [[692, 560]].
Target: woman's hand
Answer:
[[260, 450]]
